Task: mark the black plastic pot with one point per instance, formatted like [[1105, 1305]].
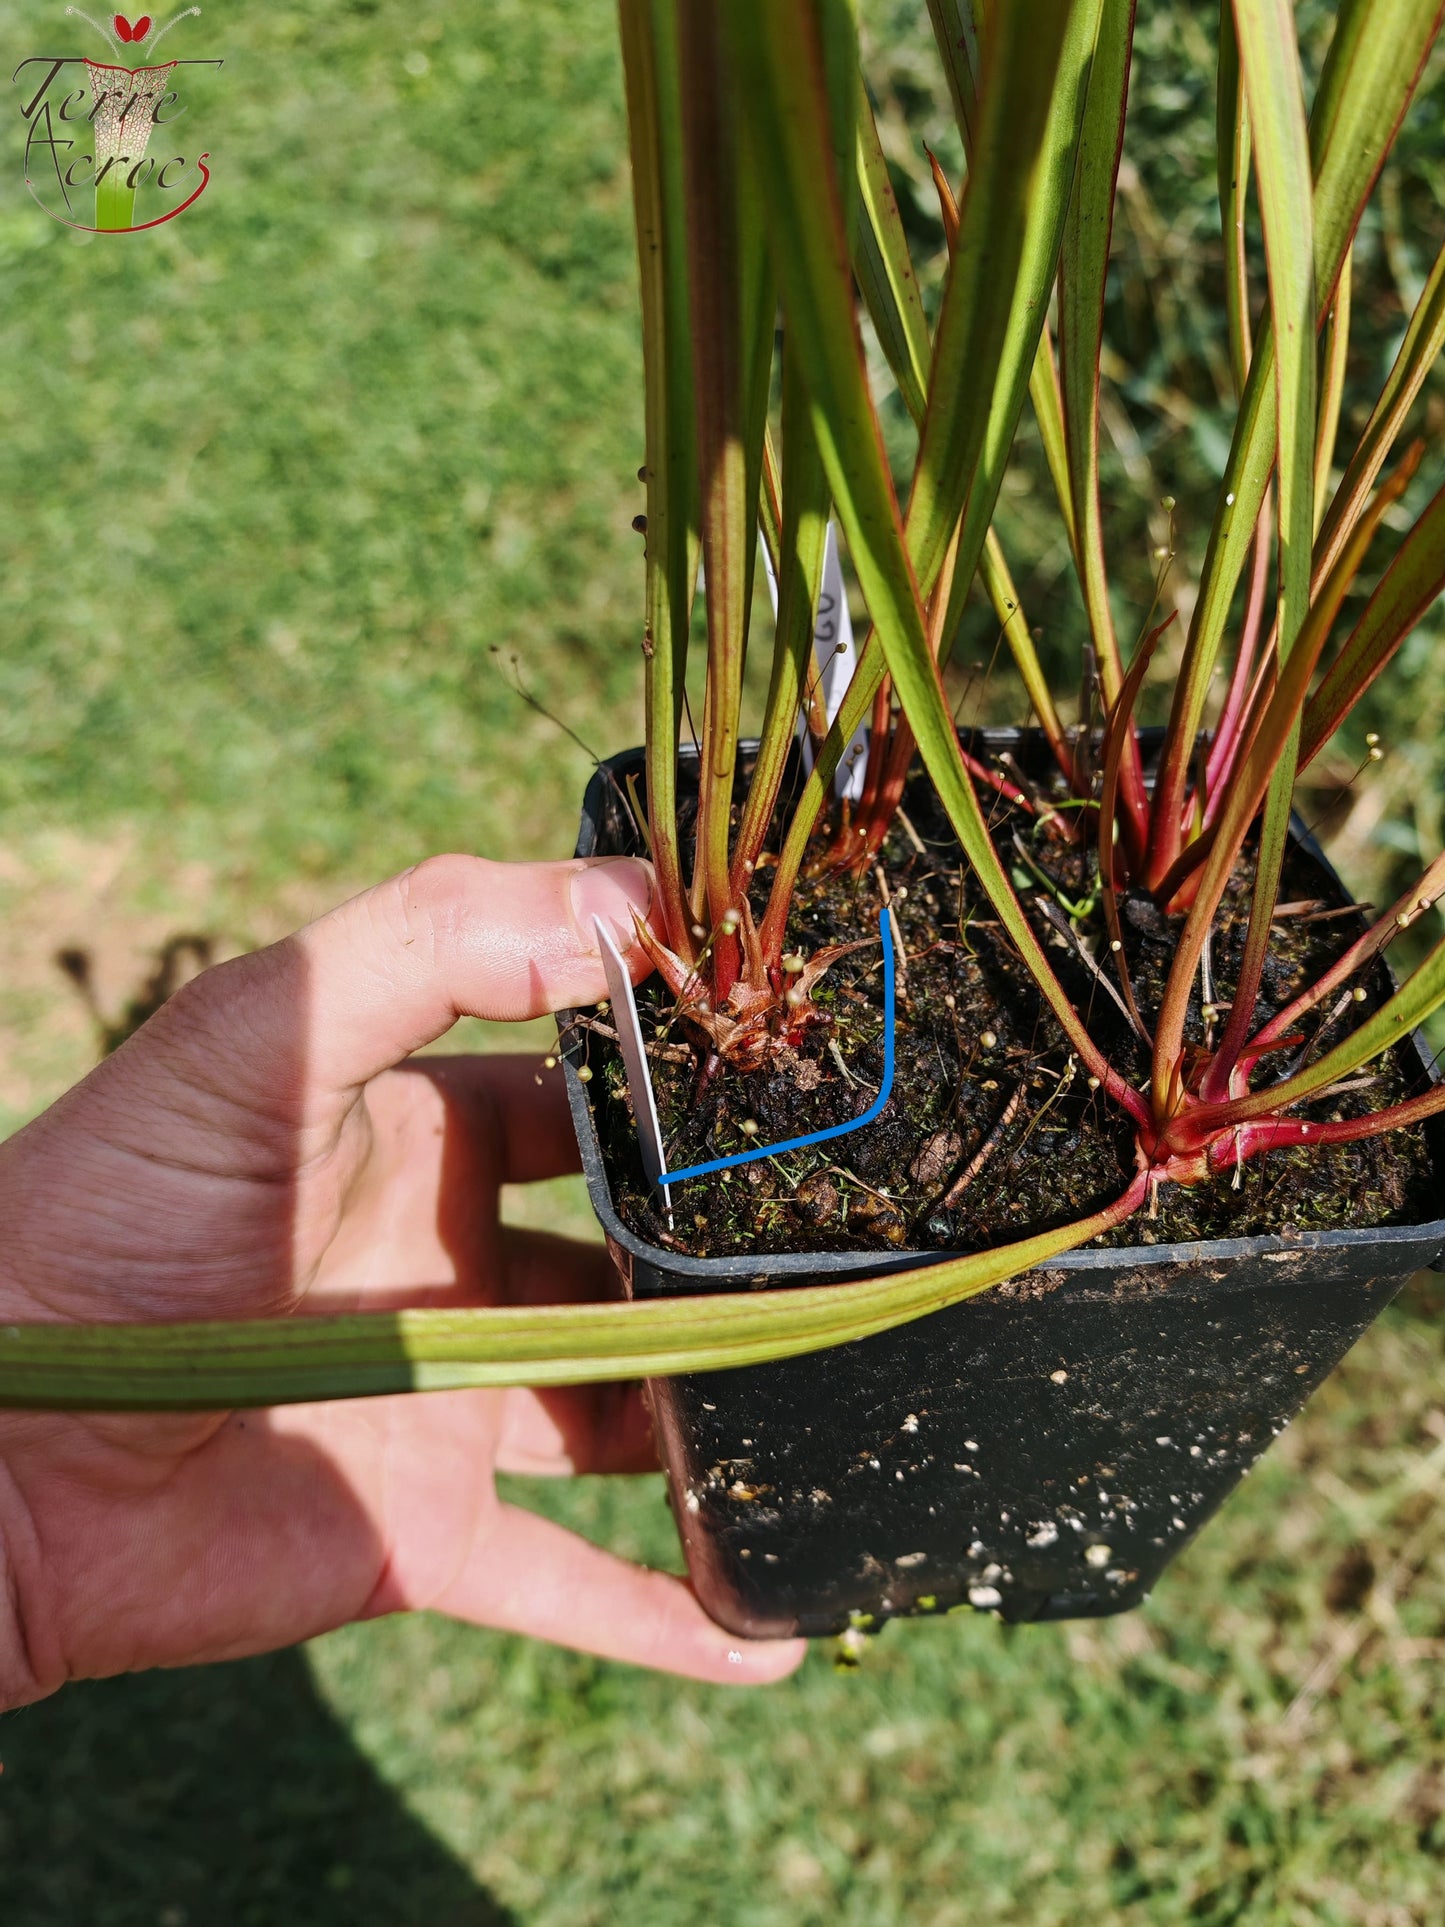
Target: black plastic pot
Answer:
[[1043, 1451]]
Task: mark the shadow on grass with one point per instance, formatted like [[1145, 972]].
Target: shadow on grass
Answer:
[[224, 1795]]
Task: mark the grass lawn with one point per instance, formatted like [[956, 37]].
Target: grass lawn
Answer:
[[278, 479]]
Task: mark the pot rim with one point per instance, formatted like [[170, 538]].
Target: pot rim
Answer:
[[764, 1267]]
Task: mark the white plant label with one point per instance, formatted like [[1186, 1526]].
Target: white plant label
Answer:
[[634, 1058], [836, 655]]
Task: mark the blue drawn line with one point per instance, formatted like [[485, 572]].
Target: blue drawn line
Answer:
[[874, 1110]]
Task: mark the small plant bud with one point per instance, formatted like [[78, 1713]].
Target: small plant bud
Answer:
[[698, 931], [549, 1063], [603, 1008], [1375, 753], [1357, 995], [1116, 946], [988, 1039], [749, 1127], [1167, 504], [1404, 920], [584, 1073], [1372, 736], [792, 963], [1093, 1083], [1208, 1013], [642, 473], [639, 522], [900, 893], [795, 997], [729, 922], [950, 1002], [1161, 554]]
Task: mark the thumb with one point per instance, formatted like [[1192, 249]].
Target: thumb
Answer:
[[458, 936]]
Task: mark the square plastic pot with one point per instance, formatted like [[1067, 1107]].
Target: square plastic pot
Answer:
[[1042, 1451]]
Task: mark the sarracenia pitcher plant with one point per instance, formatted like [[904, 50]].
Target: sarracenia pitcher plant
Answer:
[[766, 229]]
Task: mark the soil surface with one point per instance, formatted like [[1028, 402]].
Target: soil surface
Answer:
[[991, 1133]]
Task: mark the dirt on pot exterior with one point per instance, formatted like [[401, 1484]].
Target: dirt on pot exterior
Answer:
[[1043, 1451], [992, 1131]]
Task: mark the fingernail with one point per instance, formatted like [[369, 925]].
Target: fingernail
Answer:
[[615, 889]]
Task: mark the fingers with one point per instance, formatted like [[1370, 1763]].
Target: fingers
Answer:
[[521, 1127], [584, 1428], [540, 1268], [286, 1524], [459, 936], [531, 1576]]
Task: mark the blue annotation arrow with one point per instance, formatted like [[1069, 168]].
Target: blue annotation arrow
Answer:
[[873, 1112]]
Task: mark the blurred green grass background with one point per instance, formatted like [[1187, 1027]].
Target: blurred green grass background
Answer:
[[278, 479]]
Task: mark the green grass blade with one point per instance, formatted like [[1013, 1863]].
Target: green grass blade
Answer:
[[200, 1367], [1083, 268], [998, 582], [1047, 398], [779, 67], [1419, 351], [650, 66], [1332, 386], [1413, 580], [884, 269], [889, 289], [1011, 222], [1369, 75], [955, 28], [802, 537], [1231, 126], [1274, 95], [722, 346]]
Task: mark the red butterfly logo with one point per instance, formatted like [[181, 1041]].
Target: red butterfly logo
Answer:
[[128, 32]]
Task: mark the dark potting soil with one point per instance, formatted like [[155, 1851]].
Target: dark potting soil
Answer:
[[991, 1132]]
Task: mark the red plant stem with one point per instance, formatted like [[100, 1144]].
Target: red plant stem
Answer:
[[1269, 864], [1171, 891], [873, 828], [1416, 899], [1265, 674], [1252, 1139], [879, 730], [877, 810], [1168, 810], [1226, 744], [851, 831]]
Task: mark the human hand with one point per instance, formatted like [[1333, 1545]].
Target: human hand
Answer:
[[258, 1148]]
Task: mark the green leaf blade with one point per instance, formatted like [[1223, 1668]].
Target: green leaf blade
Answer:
[[219, 1366]]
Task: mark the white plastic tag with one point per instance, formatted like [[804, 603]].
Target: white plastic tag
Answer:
[[836, 655], [634, 1058]]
